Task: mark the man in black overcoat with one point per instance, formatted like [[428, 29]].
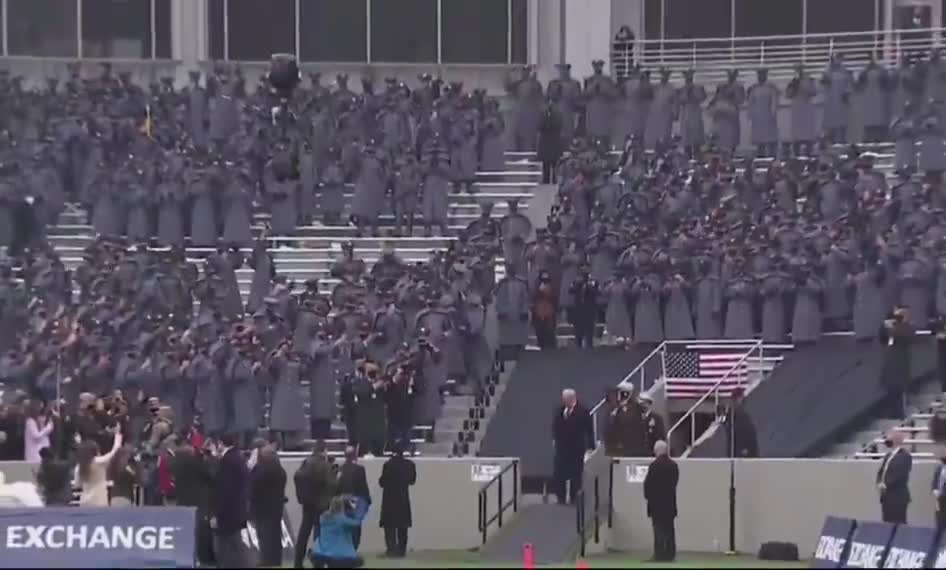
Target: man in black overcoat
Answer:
[[744, 442], [230, 505], [267, 498], [192, 479], [572, 436], [896, 335], [397, 476], [660, 492]]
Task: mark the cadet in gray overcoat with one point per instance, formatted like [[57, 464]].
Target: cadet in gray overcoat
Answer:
[[617, 315], [870, 302], [740, 297], [690, 99], [599, 94], [762, 105], [286, 415], [837, 83], [648, 324], [801, 93], [512, 309], [678, 318], [873, 89], [370, 188], [565, 93], [807, 318], [663, 112], [527, 91]]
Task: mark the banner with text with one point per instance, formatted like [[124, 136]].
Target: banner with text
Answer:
[[869, 545], [146, 537], [910, 547], [834, 543]]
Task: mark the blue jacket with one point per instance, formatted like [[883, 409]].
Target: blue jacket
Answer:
[[334, 540]]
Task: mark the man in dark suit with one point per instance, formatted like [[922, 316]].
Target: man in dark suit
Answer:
[[353, 482], [267, 498], [572, 436], [741, 438], [660, 492], [315, 486], [893, 479], [192, 478], [397, 476], [230, 505]]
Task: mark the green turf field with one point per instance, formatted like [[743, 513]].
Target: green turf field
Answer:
[[449, 560]]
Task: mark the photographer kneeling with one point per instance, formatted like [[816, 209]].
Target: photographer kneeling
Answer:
[[333, 547]]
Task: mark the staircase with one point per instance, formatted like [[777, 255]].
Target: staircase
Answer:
[[869, 442]]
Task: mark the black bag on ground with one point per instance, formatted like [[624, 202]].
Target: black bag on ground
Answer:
[[787, 551]]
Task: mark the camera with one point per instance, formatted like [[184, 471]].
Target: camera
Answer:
[[284, 74]]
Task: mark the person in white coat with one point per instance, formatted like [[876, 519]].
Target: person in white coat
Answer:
[[91, 472]]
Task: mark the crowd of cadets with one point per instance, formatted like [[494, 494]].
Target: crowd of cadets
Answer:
[[678, 238], [175, 336], [673, 239]]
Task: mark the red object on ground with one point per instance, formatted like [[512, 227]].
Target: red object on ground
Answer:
[[581, 564], [528, 556]]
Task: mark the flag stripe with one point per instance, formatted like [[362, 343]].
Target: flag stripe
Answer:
[[693, 375]]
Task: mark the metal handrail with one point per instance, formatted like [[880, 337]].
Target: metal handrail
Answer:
[[581, 520], [637, 369], [483, 520], [714, 390]]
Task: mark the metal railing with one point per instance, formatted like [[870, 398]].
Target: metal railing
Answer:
[[654, 360], [710, 57], [757, 351], [484, 520], [581, 518]]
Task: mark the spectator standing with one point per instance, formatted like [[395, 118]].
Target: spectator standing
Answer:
[[397, 476], [91, 469], [37, 429], [192, 479], [550, 142], [315, 482], [53, 479], [230, 501], [893, 480], [124, 475], [267, 498], [353, 484], [12, 440], [660, 492], [741, 438]]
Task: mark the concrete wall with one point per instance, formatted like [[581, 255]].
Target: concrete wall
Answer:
[[444, 501], [785, 500]]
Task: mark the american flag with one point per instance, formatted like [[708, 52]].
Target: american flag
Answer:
[[691, 374]]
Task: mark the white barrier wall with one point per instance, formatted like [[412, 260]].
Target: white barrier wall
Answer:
[[444, 501], [776, 499]]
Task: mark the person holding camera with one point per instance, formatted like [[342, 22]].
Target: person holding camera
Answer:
[[91, 475], [38, 427], [335, 547], [896, 334]]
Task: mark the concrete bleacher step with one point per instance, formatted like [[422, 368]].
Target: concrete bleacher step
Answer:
[[868, 443]]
